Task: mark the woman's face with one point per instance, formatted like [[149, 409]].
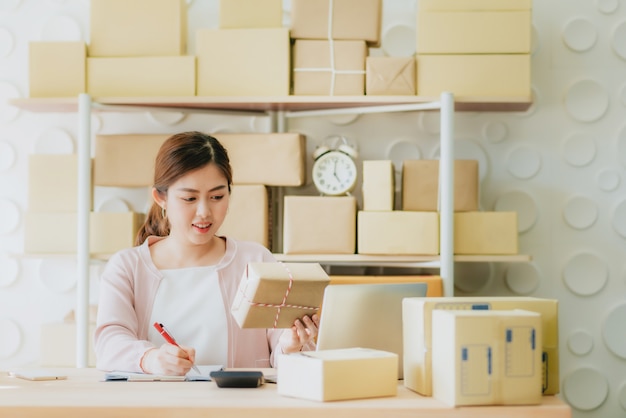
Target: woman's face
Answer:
[[197, 204]]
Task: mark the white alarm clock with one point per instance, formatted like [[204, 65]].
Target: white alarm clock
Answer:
[[335, 170]]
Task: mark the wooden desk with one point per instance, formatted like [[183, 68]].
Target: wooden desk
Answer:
[[85, 395]]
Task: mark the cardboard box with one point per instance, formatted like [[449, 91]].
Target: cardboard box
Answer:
[[332, 375], [487, 357], [111, 232], [58, 345], [248, 214], [398, 232], [141, 76], [390, 76], [122, 28], [274, 295], [485, 233], [434, 283], [52, 182], [378, 185], [319, 224], [474, 5], [348, 20], [471, 75], [317, 72], [241, 14], [50, 232], [56, 69], [418, 330], [243, 62], [277, 159], [126, 160], [420, 185]]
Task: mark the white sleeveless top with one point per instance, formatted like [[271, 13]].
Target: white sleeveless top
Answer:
[[189, 303]]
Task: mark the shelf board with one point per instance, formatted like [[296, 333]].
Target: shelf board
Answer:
[[396, 259], [262, 103]]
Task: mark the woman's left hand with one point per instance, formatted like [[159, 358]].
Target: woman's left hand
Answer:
[[302, 332]]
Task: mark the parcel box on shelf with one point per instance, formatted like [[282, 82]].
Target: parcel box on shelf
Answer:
[[248, 214], [50, 232], [397, 232], [487, 75], [110, 232], [337, 19], [141, 76], [420, 185], [275, 294], [332, 375], [378, 186], [487, 357], [243, 62], [390, 76], [319, 224], [329, 69], [480, 26], [485, 233], [122, 28], [418, 331], [56, 69], [241, 14], [52, 182]]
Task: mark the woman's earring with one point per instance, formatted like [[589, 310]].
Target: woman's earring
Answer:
[[163, 212]]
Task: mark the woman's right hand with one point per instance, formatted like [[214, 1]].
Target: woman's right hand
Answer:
[[168, 360]]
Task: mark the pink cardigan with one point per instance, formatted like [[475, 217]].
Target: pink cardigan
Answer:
[[127, 290]]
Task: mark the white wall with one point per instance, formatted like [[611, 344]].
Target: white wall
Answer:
[[560, 165]]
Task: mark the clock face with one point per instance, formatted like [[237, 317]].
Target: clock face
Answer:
[[334, 173]]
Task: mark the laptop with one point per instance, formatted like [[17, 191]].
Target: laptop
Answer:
[[365, 315]]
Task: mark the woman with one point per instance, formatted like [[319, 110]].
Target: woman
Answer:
[[183, 275]]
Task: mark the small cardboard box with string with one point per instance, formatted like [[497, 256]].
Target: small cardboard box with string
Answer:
[[275, 294]]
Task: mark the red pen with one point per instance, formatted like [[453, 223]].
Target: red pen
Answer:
[[168, 337]]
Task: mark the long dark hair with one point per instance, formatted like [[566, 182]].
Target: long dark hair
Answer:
[[180, 154]]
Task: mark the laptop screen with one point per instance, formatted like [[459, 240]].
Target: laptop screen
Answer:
[[365, 315]]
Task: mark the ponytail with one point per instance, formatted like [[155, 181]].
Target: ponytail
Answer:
[[155, 224]]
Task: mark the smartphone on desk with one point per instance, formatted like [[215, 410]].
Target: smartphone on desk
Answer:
[[37, 375], [237, 378]]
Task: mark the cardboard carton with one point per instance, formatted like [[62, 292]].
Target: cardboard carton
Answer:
[[248, 214], [274, 295], [390, 76], [332, 375], [487, 357], [418, 331], [319, 224], [329, 68], [50, 232], [111, 232], [485, 233], [397, 232], [56, 69], [378, 185], [247, 14], [52, 182]]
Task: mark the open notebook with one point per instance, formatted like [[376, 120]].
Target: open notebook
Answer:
[[192, 376]]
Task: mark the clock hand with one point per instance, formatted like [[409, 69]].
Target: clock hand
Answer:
[[335, 172]]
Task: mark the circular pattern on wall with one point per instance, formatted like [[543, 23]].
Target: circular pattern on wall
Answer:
[[585, 274], [467, 149], [58, 275], [472, 277], [619, 219], [10, 271], [608, 180], [622, 95], [54, 141], [9, 216], [613, 331], [114, 204], [6, 42], [579, 35], [586, 101], [343, 120], [403, 149], [7, 155], [8, 5], [61, 28], [495, 132], [580, 342], [522, 278], [607, 6], [585, 389], [579, 150], [622, 396], [430, 122], [522, 203], [524, 162], [8, 91], [166, 118], [580, 212], [399, 41], [618, 40], [11, 337]]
